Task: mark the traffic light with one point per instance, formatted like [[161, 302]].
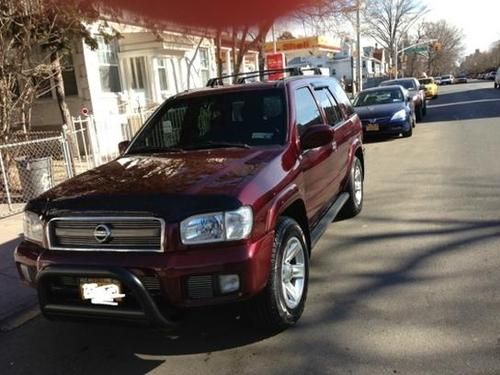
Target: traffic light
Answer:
[[436, 46]]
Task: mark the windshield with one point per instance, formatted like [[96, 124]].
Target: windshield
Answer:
[[239, 119], [426, 81], [383, 96], [408, 84]]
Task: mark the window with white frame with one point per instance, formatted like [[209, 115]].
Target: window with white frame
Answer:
[[137, 69], [163, 73], [204, 65], [109, 71]]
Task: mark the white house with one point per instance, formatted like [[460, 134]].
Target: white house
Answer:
[[133, 73]]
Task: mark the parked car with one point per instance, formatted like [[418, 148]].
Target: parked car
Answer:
[[497, 79], [387, 110], [416, 91], [437, 80], [431, 89], [490, 76], [447, 79], [462, 78], [219, 198]]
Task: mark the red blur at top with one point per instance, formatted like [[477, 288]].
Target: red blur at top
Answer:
[[209, 13]]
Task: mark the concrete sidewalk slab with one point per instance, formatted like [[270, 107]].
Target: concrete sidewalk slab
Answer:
[[15, 297]]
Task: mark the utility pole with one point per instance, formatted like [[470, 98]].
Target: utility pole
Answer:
[[360, 53]]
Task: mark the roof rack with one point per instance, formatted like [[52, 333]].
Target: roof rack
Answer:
[[295, 71]]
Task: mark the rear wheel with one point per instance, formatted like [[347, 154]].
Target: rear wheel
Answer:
[[281, 303], [355, 189], [418, 113]]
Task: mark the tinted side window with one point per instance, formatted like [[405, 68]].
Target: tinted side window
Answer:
[[306, 109], [342, 98], [329, 105]]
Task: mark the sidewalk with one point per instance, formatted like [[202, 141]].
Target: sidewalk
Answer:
[[15, 297]]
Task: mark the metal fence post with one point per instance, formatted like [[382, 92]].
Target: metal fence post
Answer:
[[68, 162], [5, 181]]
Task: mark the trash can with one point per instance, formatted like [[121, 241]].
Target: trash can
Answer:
[[35, 175]]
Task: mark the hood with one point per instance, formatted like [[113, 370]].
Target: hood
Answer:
[[377, 111], [172, 186]]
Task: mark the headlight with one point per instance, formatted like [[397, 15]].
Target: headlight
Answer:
[[399, 115], [217, 227], [33, 227]]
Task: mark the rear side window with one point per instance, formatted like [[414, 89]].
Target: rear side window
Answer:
[[329, 105], [342, 98], [306, 110]]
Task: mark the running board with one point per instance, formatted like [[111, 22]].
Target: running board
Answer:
[[332, 213]]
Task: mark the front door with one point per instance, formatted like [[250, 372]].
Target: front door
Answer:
[[317, 164]]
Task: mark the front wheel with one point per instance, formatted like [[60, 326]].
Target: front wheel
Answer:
[[281, 303], [409, 132]]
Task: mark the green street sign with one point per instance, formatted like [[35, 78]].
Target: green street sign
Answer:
[[417, 49]]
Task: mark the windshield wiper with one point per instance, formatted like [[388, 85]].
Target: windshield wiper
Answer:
[[219, 145], [156, 150]]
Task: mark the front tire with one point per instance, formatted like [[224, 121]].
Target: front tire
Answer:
[[281, 304], [408, 133]]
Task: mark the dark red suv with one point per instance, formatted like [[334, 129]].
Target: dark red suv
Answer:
[[219, 198]]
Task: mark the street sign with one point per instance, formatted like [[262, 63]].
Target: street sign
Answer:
[[416, 50]]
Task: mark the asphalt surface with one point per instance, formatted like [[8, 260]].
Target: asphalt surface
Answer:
[[411, 286]]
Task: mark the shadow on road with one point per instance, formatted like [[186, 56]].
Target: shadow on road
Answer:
[[474, 103]]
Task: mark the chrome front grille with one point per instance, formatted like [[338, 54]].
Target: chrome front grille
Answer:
[[106, 234]]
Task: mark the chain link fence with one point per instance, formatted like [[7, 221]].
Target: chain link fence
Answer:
[[29, 168], [31, 163]]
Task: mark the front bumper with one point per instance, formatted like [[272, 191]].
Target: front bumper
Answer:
[[392, 128], [156, 284]]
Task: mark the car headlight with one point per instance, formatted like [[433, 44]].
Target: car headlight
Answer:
[[33, 227], [399, 115], [217, 227]]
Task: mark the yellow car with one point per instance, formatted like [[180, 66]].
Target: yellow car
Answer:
[[431, 89]]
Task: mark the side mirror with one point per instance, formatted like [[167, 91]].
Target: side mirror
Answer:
[[122, 146], [316, 136]]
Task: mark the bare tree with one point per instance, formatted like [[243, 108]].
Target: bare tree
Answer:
[[36, 35], [390, 20], [444, 57], [480, 62]]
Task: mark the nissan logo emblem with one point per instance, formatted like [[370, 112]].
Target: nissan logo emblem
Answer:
[[102, 233]]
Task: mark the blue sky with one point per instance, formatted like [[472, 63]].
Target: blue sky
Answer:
[[479, 20]]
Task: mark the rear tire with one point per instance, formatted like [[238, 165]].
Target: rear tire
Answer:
[[355, 189], [281, 303], [418, 113]]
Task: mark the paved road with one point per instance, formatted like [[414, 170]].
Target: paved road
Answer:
[[411, 286]]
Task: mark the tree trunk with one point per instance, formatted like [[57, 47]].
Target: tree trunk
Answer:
[[61, 102], [218, 52], [59, 88], [190, 63]]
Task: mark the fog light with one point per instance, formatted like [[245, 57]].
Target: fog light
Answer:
[[229, 283]]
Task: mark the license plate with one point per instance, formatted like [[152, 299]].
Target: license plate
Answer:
[[372, 127], [101, 291]]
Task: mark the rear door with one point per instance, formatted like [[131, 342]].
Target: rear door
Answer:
[[348, 128], [317, 164], [336, 121]]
